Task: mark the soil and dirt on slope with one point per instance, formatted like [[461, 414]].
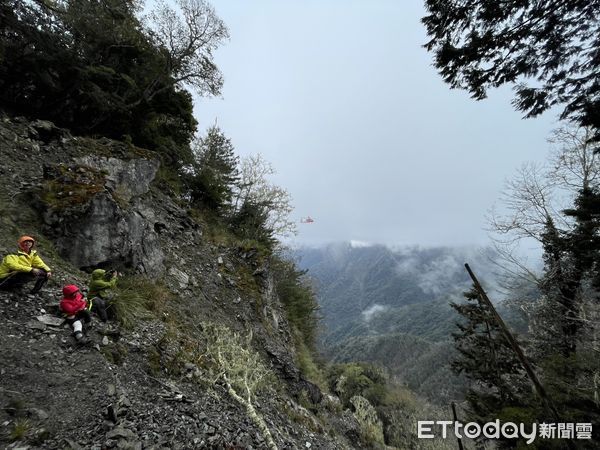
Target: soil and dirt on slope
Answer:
[[58, 394]]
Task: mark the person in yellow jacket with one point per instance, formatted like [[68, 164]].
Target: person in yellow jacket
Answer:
[[24, 266]]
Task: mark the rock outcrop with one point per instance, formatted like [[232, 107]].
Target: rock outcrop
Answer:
[[111, 225]]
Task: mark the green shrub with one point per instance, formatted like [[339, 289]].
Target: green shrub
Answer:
[[298, 299], [350, 380], [370, 424], [251, 222], [137, 298], [309, 367], [20, 429]]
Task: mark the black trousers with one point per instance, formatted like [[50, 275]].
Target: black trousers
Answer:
[[18, 279], [100, 307], [83, 315]]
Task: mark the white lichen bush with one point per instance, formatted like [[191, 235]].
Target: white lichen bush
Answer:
[[367, 418], [232, 363]]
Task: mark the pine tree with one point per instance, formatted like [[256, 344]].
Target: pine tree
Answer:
[[216, 171], [583, 241], [565, 323], [554, 329], [571, 260], [548, 50], [499, 388]]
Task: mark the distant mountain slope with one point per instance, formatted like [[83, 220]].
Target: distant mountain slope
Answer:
[[423, 366], [391, 307], [431, 320], [357, 284]]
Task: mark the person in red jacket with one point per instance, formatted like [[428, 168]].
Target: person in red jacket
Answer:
[[75, 307]]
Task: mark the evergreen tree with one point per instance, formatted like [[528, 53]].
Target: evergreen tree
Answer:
[[216, 171], [571, 261], [584, 241], [564, 324], [548, 50], [94, 67], [499, 386], [556, 322], [251, 221]]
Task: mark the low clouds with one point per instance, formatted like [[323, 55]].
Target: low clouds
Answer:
[[360, 244], [368, 313], [440, 271]]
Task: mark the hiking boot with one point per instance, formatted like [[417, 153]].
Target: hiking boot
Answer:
[[83, 341]]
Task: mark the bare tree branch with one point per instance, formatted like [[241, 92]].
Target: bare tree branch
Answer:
[[538, 194]]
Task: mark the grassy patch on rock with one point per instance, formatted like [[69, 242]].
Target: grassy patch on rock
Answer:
[[68, 186]]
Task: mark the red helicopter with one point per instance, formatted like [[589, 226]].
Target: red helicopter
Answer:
[[307, 219]]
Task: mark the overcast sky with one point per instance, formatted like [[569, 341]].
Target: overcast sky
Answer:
[[342, 99]]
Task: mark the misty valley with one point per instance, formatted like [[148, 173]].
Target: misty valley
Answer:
[[391, 307]]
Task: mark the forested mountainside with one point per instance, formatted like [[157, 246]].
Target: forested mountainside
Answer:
[[392, 308], [358, 282]]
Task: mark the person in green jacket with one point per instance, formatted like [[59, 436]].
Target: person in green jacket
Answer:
[[24, 266], [100, 291]]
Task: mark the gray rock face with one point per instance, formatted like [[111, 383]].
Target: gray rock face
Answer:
[[180, 277], [124, 179], [106, 234], [113, 227], [271, 309]]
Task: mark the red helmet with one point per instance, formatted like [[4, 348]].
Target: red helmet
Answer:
[[69, 290]]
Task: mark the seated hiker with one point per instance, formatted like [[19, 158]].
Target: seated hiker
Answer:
[[74, 306], [100, 291], [19, 268]]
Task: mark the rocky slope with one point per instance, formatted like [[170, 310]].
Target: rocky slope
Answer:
[[99, 203]]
